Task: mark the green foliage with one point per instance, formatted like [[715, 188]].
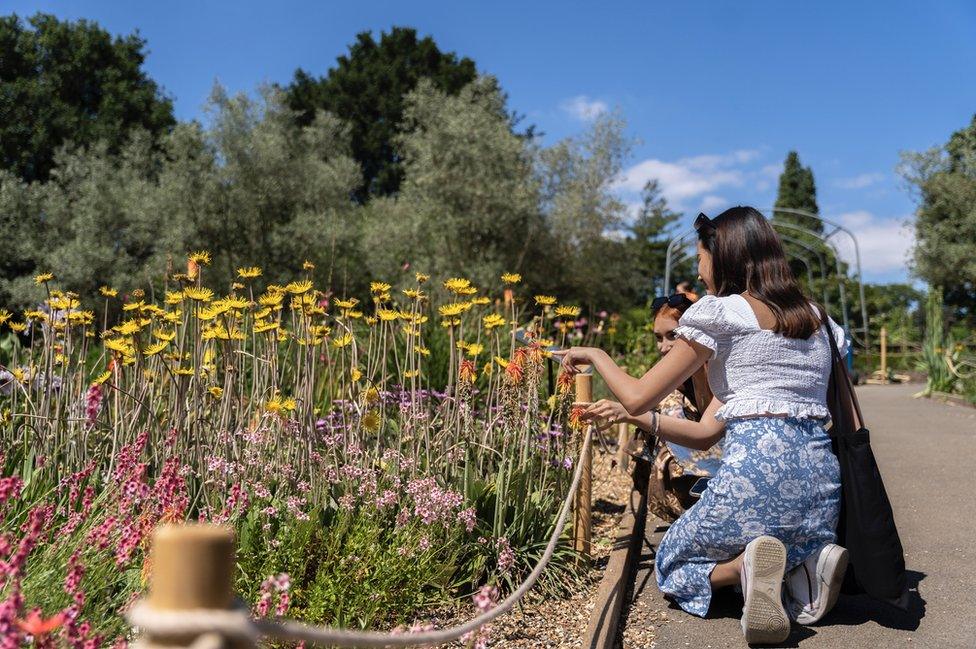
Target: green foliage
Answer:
[[367, 89], [797, 190], [468, 204], [254, 189], [649, 236], [945, 222], [935, 347], [63, 81], [582, 211]]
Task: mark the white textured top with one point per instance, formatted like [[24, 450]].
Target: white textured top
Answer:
[[755, 371]]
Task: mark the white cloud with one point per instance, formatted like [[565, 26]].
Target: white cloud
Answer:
[[711, 204], [885, 244], [687, 178], [860, 181], [583, 108]]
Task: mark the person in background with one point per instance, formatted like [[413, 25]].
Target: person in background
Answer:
[[676, 468]]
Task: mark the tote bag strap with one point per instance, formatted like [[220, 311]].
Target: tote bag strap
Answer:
[[840, 376]]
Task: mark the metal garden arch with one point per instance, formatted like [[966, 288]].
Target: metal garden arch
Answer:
[[827, 238]]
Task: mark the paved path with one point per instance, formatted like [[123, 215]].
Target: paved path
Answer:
[[926, 451]]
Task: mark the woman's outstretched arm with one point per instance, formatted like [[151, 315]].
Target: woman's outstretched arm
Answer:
[[640, 395], [700, 435]]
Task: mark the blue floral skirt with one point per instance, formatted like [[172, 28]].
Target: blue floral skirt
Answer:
[[778, 477]]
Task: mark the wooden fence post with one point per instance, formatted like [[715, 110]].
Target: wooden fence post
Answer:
[[624, 437], [884, 354], [192, 568], [582, 522]]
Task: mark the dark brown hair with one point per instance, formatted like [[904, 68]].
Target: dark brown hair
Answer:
[[747, 255]]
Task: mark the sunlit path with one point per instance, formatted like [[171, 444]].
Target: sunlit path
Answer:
[[925, 449]]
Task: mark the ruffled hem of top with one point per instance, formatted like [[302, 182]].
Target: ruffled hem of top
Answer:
[[759, 407], [696, 335]]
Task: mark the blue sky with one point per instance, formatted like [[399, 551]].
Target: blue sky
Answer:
[[715, 92]]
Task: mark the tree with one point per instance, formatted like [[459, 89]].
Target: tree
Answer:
[[797, 190], [254, 189], [585, 217], [649, 237], [64, 81], [468, 205], [367, 89], [944, 179]]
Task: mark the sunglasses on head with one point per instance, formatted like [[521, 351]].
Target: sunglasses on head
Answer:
[[703, 222], [674, 301]]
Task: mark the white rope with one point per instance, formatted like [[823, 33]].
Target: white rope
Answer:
[[237, 623]]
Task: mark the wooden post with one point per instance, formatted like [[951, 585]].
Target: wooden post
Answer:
[[624, 437], [884, 354], [192, 568], [582, 515]]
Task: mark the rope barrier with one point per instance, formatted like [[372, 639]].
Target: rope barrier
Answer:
[[214, 625]]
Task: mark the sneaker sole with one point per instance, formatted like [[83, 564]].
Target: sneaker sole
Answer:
[[764, 619], [831, 575]]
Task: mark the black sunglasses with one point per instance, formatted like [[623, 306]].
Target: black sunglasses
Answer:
[[703, 222], [674, 301]]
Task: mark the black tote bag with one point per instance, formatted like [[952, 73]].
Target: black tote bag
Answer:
[[867, 524]]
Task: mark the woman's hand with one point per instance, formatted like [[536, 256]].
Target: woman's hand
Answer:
[[604, 413], [571, 358]]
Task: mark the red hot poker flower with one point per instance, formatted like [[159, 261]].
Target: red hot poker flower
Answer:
[[37, 626]]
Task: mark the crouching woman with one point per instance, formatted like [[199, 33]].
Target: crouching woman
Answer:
[[774, 501]]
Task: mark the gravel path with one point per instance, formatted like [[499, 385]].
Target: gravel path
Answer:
[[926, 452]]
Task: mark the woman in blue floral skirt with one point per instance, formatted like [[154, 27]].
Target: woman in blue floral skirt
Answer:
[[774, 502]]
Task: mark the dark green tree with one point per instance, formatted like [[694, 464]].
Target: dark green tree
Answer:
[[648, 239], [945, 222], [63, 81], [366, 89], [797, 190]]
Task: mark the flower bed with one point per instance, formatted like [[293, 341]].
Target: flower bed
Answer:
[[375, 459]]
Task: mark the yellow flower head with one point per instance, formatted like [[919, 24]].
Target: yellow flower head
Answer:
[[511, 278], [371, 421], [413, 294], [386, 315], [307, 265], [198, 294], [493, 320], [298, 288], [108, 292], [453, 309], [355, 374], [155, 348], [423, 351], [128, 327], [4, 315], [267, 326], [18, 327], [249, 272], [347, 304], [119, 345], [421, 278], [40, 316], [101, 378], [342, 341], [379, 287], [545, 300], [567, 311], [215, 391], [201, 257], [43, 278], [474, 349], [457, 285]]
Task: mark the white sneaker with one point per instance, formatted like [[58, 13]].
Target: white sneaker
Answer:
[[764, 619], [813, 586]]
